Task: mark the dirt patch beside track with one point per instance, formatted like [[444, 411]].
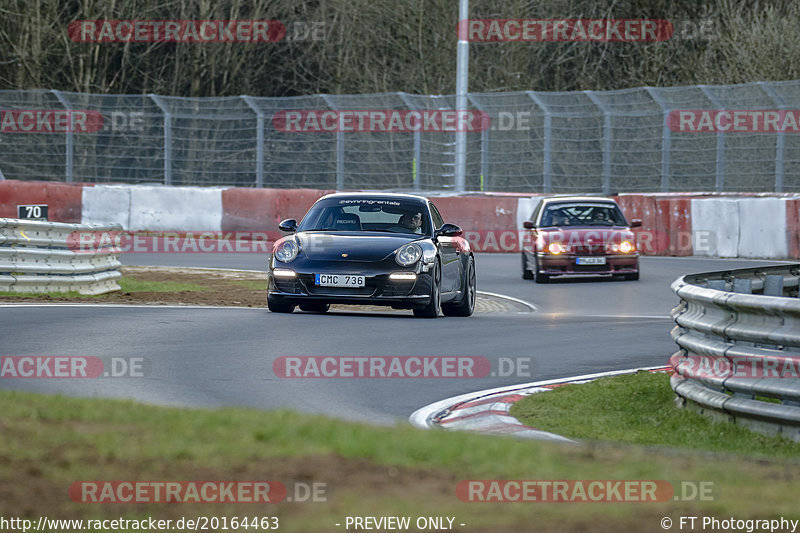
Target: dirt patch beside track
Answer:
[[238, 288]]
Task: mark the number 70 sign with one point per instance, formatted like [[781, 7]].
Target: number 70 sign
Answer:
[[32, 212]]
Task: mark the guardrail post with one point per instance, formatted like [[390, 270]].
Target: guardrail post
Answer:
[[167, 138], [70, 138], [773, 285], [743, 285], [606, 140], [720, 179], [339, 147], [547, 163], [259, 139]]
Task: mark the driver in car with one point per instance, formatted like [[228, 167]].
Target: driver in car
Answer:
[[411, 222]]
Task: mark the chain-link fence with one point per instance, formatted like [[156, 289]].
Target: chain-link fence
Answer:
[[590, 141]]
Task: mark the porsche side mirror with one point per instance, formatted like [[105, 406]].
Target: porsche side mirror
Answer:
[[528, 224], [449, 230], [289, 225], [636, 223]]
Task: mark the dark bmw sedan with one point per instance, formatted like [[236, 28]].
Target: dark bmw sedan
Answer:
[[579, 236], [374, 249]]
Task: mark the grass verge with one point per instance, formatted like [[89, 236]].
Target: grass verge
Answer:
[[640, 409], [130, 284], [127, 285], [49, 442]]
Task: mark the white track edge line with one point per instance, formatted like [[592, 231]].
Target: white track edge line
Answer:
[[420, 417]]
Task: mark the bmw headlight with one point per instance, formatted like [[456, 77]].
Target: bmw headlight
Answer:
[[625, 247], [408, 254], [286, 251]]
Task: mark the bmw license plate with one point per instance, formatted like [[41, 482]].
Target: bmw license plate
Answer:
[[590, 260], [339, 280]]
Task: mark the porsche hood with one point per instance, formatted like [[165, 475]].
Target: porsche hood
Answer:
[[329, 246]]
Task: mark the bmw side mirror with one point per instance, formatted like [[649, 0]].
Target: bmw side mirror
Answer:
[[289, 225], [528, 224], [449, 230], [636, 223]]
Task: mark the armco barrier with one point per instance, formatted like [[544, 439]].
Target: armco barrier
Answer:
[[40, 257], [718, 217], [739, 338], [793, 228], [677, 224], [762, 228], [263, 209], [170, 208], [673, 226], [63, 200]]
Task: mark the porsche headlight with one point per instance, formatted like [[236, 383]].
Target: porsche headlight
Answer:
[[286, 251], [408, 254]]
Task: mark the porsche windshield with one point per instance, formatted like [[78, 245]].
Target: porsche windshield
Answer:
[[379, 215]]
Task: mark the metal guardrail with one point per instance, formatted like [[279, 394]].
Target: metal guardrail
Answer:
[[37, 257], [739, 338]]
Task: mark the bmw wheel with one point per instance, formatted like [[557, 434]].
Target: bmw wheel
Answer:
[[526, 273], [538, 277]]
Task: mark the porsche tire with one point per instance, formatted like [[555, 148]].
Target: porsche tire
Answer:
[[467, 304], [279, 306], [315, 307], [432, 309]]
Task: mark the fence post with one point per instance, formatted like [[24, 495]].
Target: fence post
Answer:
[[720, 184], [415, 164], [70, 137], [462, 90], [167, 138], [606, 140], [339, 147], [780, 140], [484, 148], [666, 137], [259, 139], [547, 163]]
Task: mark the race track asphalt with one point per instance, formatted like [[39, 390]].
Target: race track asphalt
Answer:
[[209, 357]]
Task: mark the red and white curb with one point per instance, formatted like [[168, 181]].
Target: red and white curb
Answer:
[[487, 411]]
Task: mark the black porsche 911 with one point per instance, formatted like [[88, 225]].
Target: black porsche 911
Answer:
[[374, 249]]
